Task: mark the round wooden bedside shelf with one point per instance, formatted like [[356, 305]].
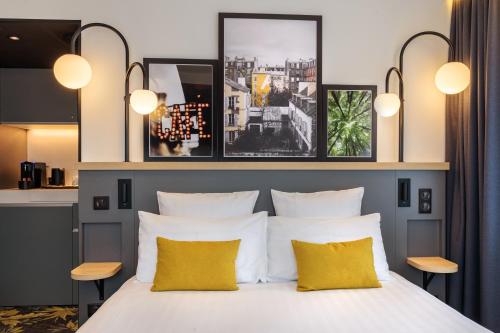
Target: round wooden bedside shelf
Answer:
[[432, 265], [89, 271], [97, 272]]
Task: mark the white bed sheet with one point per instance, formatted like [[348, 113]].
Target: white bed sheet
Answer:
[[399, 306]]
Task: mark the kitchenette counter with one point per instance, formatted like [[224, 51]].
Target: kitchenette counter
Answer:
[[38, 197]]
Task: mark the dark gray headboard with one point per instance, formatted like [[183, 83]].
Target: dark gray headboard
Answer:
[[112, 234], [147, 183]]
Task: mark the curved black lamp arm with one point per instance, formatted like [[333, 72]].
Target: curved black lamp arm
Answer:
[[127, 98], [388, 76], [425, 33], [401, 109], [78, 32], [399, 72], [75, 37], [129, 71]]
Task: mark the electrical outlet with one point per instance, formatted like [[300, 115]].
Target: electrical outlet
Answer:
[[101, 203], [425, 200]]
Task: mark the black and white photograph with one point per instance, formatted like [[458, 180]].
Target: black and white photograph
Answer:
[[183, 124], [271, 79], [351, 122]]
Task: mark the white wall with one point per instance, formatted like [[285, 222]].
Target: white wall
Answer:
[[361, 40]]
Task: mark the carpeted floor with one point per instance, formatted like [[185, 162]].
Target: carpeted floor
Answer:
[[38, 319]]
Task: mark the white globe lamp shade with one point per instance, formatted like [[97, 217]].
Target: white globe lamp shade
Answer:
[[72, 71], [452, 78], [387, 105], [143, 101]]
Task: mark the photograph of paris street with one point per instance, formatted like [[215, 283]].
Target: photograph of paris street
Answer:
[[270, 88]]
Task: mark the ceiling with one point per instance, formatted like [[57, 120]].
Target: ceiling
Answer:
[[40, 42]]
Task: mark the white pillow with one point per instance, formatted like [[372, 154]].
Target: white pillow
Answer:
[[251, 229], [207, 204], [282, 230], [344, 203]]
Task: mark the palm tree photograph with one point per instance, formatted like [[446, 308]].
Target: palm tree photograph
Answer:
[[350, 122]]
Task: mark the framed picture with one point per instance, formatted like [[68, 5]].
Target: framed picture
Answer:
[[350, 122], [183, 126], [270, 86]]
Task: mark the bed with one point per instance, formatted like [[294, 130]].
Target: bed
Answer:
[[399, 306]]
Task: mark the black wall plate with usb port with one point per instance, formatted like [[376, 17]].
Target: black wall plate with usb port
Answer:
[[101, 203]]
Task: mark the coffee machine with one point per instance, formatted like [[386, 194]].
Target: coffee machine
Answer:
[[33, 175]]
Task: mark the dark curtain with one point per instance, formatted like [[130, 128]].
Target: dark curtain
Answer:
[[473, 149]]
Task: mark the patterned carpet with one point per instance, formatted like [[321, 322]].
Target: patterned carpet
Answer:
[[38, 319]]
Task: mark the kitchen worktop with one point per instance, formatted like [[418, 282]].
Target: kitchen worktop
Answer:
[[38, 197]]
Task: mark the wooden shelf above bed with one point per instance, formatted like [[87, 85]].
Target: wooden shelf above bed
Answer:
[[264, 166]]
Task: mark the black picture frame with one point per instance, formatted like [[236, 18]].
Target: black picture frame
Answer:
[[214, 105], [319, 119], [373, 144]]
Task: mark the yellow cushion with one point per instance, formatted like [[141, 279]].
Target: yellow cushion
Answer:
[[195, 265], [346, 265]]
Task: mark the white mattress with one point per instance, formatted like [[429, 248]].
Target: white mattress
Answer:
[[399, 306]]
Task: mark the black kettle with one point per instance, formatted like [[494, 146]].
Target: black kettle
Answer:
[[57, 178]]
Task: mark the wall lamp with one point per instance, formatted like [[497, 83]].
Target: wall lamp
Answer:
[[74, 72], [451, 78]]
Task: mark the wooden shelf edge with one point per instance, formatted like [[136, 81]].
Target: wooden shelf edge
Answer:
[[89, 166], [90, 271], [432, 264]]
